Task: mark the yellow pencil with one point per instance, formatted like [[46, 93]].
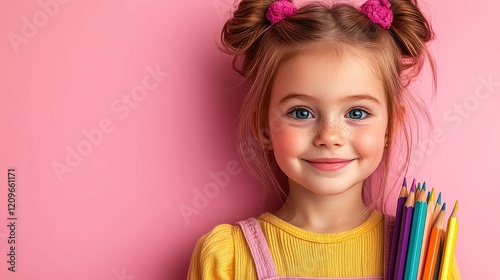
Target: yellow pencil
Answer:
[[449, 245]]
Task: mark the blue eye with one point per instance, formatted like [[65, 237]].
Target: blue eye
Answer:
[[301, 113], [357, 114]]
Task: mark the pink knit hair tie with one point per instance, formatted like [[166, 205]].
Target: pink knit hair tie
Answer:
[[379, 12], [279, 10]]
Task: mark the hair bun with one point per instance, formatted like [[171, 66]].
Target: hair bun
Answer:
[[410, 28], [242, 31], [411, 32]]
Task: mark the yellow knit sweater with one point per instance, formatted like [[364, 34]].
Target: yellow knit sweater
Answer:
[[224, 254]]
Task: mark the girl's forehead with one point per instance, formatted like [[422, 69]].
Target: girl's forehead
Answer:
[[331, 60], [327, 77], [337, 54]]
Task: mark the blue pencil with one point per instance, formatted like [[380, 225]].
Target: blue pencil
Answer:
[[415, 243]]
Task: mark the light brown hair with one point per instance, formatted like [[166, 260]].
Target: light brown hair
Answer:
[[397, 54]]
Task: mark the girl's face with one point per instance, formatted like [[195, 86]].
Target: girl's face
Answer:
[[328, 122]]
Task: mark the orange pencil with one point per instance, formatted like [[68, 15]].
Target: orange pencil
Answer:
[[435, 242], [431, 205]]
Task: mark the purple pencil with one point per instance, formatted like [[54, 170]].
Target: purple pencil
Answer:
[[404, 235], [397, 226]]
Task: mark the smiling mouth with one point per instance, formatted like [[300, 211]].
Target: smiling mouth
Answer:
[[329, 164]]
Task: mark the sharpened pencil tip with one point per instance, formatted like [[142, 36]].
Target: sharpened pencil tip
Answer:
[[439, 198], [404, 182], [432, 197], [444, 207], [456, 206], [418, 186], [423, 187], [413, 186]]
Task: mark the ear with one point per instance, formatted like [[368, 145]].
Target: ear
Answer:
[[266, 139]]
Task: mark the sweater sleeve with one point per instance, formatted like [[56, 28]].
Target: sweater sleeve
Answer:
[[213, 256]]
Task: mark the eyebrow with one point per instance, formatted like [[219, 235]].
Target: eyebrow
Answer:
[[296, 96], [349, 98], [361, 97]]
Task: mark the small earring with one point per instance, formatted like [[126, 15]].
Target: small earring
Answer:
[[386, 145]]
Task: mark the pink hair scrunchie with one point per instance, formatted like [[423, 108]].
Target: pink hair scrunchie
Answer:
[[279, 10], [379, 12]]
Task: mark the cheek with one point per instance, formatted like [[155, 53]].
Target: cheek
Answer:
[[285, 140], [281, 136], [369, 141], [288, 141]]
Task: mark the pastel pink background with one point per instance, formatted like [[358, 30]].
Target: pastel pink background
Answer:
[[116, 214]]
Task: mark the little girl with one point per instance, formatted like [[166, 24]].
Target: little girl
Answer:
[[326, 119]]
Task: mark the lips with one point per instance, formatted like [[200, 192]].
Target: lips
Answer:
[[329, 164]]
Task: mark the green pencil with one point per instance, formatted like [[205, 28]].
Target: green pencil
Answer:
[[417, 230]]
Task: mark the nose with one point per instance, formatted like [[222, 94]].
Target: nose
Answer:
[[330, 133]]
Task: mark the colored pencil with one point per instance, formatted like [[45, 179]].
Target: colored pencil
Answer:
[[439, 257], [435, 242], [437, 210], [397, 226], [404, 234], [431, 205], [449, 245], [416, 233], [440, 252]]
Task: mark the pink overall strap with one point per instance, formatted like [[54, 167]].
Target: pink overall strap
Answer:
[[262, 258], [388, 233]]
